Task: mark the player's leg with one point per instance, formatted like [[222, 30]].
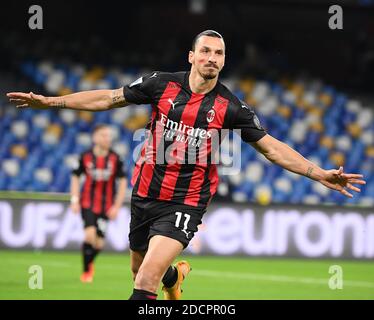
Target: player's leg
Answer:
[[101, 226], [160, 254], [180, 225], [88, 244], [88, 251], [136, 259], [143, 213]]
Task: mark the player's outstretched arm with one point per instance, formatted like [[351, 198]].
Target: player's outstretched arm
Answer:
[[94, 100], [283, 155]]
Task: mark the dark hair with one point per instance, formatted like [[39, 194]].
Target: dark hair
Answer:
[[99, 127], [209, 33]]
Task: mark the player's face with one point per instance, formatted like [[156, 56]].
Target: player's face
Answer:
[[208, 57], [103, 138]]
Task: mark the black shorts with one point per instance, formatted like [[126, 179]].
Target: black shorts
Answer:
[[99, 221], [151, 217]]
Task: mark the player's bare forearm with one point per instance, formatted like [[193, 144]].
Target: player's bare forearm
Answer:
[[120, 197], [74, 186], [93, 100], [281, 154], [288, 158]]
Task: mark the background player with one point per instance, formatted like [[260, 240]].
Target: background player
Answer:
[[99, 200], [162, 226]]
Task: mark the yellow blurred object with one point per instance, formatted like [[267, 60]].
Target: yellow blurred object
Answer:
[[263, 197], [64, 91], [326, 99], [354, 129], [54, 129], [370, 151], [317, 126], [95, 74], [301, 104], [316, 111], [284, 111], [246, 85], [337, 158], [251, 101], [297, 90], [327, 142], [86, 116], [19, 150]]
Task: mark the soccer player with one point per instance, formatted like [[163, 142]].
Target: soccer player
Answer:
[[99, 200], [170, 197]]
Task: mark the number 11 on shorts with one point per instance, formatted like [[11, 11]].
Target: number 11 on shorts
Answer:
[[187, 218]]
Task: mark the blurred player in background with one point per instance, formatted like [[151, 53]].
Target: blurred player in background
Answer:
[[99, 199], [169, 199]]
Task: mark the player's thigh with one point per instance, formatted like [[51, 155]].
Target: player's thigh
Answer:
[[90, 234], [181, 224], [162, 251], [89, 220]]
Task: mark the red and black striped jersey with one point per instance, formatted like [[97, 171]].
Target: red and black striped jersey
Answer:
[[99, 186], [175, 163]]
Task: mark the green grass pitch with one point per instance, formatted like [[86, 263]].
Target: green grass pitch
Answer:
[[211, 278]]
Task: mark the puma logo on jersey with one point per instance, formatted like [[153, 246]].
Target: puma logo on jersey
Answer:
[[172, 103], [154, 75]]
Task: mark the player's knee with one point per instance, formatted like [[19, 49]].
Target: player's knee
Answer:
[[89, 238], [148, 279], [90, 235], [99, 244]]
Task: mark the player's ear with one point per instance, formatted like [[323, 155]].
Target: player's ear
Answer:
[[190, 56]]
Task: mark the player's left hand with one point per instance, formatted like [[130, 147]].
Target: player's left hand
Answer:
[[340, 181], [113, 212], [28, 100]]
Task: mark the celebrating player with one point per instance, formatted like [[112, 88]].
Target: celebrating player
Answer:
[[99, 200], [170, 197]]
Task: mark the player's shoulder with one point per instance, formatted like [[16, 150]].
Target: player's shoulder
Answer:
[[169, 76], [114, 154], [88, 152], [226, 93]]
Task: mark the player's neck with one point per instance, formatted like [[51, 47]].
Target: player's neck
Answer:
[[200, 85], [100, 152]]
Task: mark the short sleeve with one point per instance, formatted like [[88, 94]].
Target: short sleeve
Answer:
[[247, 121], [79, 167], [120, 171], [142, 90]]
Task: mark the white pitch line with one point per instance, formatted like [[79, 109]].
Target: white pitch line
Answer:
[[277, 278]]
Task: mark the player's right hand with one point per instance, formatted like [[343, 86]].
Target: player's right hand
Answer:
[[28, 100], [75, 207]]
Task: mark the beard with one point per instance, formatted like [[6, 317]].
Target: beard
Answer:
[[208, 75]]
